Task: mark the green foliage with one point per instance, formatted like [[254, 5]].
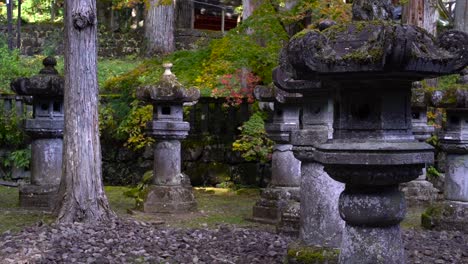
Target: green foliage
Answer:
[[253, 143], [432, 172], [139, 192], [254, 45], [11, 134], [19, 158], [12, 66]]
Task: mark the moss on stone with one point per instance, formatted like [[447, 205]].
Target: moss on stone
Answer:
[[432, 213], [298, 254], [362, 55], [304, 32]]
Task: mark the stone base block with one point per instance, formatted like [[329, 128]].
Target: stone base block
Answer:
[[447, 215], [290, 220], [169, 199], [273, 202], [419, 192], [372, 245], [301, 254], [38, 197]]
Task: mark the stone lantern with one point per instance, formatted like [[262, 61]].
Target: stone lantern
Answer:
[[320, 223], [282, 195], [452, 214], [46, 131], [170, 191], [420, 191], [369, 65]]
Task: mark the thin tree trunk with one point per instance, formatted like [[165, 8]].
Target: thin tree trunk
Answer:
[[422, 13], [10, 23], [249, 7], [159, 27], [461, 23], [81, 194], [461, 15], [18, 27]]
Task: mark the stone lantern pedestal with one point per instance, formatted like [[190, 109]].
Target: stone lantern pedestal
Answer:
[[170, 191], [452, 213], [282, 195], [46, 132], [369, 66]]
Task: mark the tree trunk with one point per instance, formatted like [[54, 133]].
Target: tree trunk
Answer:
[[461, 15], [159, 27], [10, 23], [249, 7], [184, 10], [422, 13], [81, 194], [18, 27]]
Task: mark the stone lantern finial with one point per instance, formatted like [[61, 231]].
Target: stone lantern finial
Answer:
[[49, 66], [167, 69]]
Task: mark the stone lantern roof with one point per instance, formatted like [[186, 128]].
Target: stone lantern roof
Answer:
[[273, 94], [46, 83], [168, 89], [375, 50]]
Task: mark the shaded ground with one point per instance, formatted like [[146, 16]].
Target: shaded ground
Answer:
[[217, 233]]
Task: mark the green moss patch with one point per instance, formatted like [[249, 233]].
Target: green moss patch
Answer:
[[299, 254]]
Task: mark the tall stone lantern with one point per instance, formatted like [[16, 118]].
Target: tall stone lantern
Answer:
[[170, 191], [452, 213], [46, 131], [283, 192], [369, 65]]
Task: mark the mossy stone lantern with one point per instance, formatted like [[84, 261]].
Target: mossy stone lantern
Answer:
[[452, 213], [282, 195], [46, 131], [369, 65], [170, 191]]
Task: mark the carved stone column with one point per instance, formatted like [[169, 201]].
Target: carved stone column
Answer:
[[170, 191], [283, 193], [46, 132]]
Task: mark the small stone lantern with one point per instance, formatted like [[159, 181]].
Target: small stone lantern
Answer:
[[369, 66], [452, 214], [320, 223], [170, 191], [46, 132], [282, 195]]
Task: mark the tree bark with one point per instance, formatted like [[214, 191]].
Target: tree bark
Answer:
[[159, 27], [249, 7], [10, 23], [422, 13], [461, 15], [81, 194]]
